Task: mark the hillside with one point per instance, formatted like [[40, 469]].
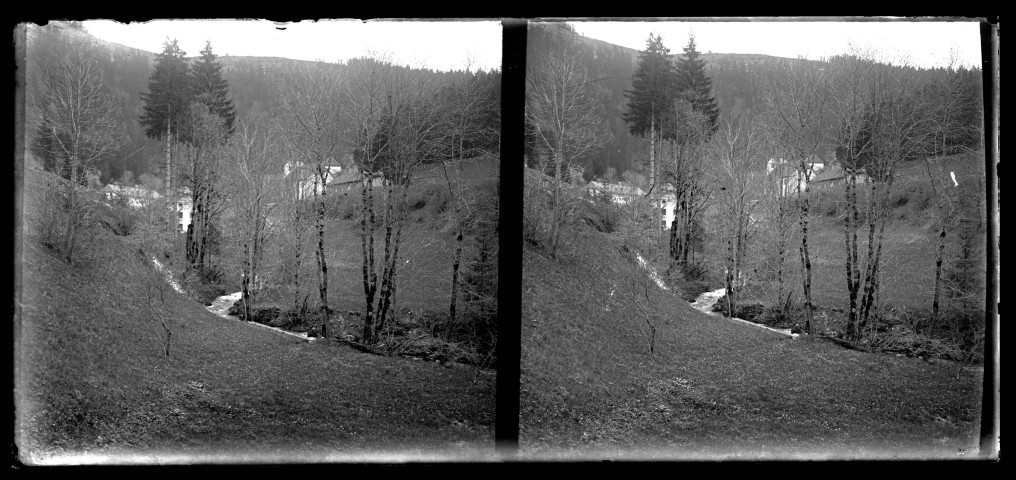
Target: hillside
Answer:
[[112, 362], [711, 388], [737, 81]]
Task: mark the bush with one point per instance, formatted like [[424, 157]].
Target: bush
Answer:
[[119, 217], [604, 217], [535, 209], [752, 312]]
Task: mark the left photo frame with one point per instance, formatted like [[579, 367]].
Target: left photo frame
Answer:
[[258, 242]]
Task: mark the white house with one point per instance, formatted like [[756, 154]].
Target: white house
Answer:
[[790, 176], [184, 206], [136, 197], [835, 175], [353, 177], [618, 193], [307, 181]]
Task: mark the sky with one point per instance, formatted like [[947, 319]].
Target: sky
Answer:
[[443, 45], [923, 43]]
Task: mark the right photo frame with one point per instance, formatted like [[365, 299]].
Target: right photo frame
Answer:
[[762, 239]]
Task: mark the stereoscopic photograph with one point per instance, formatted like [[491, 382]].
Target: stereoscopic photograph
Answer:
[[249, 241], [753, 240], [714, 239]]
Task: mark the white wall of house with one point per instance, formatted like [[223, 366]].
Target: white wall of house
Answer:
[[183, 214], [308, 185], [668, 207], [137, 197]]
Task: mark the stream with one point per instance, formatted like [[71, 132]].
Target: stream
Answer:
[[220, 306], [704, 303]]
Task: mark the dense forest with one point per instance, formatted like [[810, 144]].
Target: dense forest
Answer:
[[737, 81], [253, 86]]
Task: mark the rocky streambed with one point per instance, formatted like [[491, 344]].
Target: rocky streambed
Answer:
[[221, 305], [705, 302]]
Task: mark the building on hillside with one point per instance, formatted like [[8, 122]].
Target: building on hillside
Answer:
[[352, 177], [306, 178], [617, 193], [136, 197], [790, 177], [835, 175], [184, 207]]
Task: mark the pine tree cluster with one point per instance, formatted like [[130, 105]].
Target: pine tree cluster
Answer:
[[659, 82], [176, 84]]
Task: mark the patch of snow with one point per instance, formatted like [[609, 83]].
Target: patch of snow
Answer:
[[704, 303], [652, 273], [168, 275]]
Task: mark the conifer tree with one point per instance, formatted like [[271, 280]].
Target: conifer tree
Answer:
[[652, 92], [166, 104], [695, 86], [211, 89]]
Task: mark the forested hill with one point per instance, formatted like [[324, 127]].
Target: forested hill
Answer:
[[736, 79], [610, 67], [253, 84]]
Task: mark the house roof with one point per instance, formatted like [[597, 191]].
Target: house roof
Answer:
[[832, 172], [349, 175], [138, 192]]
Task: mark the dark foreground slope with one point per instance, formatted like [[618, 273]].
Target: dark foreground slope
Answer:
[[96, 375], [591, 387]]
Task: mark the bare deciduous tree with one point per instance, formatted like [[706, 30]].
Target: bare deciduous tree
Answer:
[[255, 190], [204, 150], [393, 125], [82, 124], [794, 97], [882, 122], [313, 127], [465, 106], [737, 155], [563, 116]]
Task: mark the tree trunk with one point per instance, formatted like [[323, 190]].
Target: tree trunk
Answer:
[[728, 279], [938, 278], [455, 281], [322, 261], [297, 253], [245, 283], [850, 247], [805, 256], [687, 227], [70, 228], [169, 171], [367, 246], [555, 214]]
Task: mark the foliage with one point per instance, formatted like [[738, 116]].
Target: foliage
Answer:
[[695, 86], [654, 86], [211, 89], [81, 125], [169, 94]]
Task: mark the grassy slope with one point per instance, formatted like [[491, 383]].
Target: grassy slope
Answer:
[[94, 377], [712, 387]]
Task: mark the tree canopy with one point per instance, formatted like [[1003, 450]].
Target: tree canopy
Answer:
[[169, 93], [653, 87], [211, 89], [695, 86]]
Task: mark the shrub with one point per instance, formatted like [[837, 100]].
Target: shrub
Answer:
[[119, 217], [535, 209], [604, 217]]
